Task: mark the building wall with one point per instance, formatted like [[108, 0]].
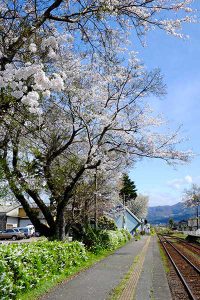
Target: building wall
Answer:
[[17, 218], [22, 213], [24, 222], [131, 223], [119, 221], [192, 223], [13, 213], [11, 222], [127, 222]]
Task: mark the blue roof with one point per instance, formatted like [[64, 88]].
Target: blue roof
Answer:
[[126, 219]]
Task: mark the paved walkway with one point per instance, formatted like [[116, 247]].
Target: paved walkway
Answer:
[[147, 282], [153, 284], [97, 282]]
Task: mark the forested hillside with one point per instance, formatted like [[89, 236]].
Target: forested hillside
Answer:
[[161, 214]]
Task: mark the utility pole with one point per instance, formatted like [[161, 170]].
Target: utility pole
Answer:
[[95, 199], [123, 220], [197, 217]]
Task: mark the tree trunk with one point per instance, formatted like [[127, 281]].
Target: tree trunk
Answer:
[[85, 213], [60, 226]]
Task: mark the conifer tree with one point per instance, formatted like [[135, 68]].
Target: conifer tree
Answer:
[[128, 191]]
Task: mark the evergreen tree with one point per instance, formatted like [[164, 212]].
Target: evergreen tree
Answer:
[[128, 191], [171, 223]]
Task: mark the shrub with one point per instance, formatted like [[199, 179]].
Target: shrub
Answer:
[[97, 240], [137, 237], [126, 234], [92, 239], [152, 231], [106, 223], [109, 239], [23, 265]]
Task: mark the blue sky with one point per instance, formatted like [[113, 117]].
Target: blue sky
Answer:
[[179, 61]]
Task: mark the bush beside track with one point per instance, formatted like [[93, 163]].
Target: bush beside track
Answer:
[[23, 266]]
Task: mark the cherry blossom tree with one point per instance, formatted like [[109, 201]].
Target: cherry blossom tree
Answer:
[[139, 206], [99, 119], [31, 31], [70, 104], [191, 198], [82, 207]]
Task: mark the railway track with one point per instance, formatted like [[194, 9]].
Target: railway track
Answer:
[[188, 273], [194, 247]]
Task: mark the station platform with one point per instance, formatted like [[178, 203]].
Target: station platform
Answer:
[[147, 279], [153, 282]]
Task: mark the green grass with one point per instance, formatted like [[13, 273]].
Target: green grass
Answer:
[[152, 231], [164, 259], [47, 285], [179, 235], [116, 293], [152, 297]]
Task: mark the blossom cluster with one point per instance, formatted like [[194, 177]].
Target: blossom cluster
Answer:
[[23, 76], [19, 80]]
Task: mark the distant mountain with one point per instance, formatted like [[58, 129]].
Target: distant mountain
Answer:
[[161, 214]]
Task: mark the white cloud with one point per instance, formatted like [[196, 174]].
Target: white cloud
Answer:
[[157, 198], [188, 179], [179, 183]]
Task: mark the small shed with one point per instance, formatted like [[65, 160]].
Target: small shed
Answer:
[[124, 218], [193, 224], [8, 216], [15, 216]]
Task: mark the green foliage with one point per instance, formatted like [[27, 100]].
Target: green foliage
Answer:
[[128, 191], [137, 237], [48, 284], [164, 259], [92, 239], [163, 230], [97, 240], [106, 223], [112, 239], [152, 231], [171, 222], [24, 265]]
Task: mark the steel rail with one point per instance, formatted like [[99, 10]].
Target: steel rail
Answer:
[[190, 293], [196, 268], [184, 242]]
